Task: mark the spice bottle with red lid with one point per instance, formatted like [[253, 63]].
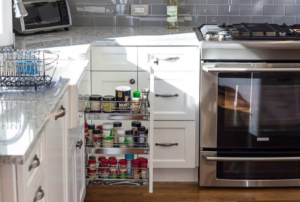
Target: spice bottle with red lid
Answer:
[[123, 169], [144, 168], [136, 169], [92, 174], [104, 169], [113, 169]]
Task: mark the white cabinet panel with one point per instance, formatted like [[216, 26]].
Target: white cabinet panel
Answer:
[[39, 192], [181, 85], [170, 58], [179, 134], [114, 58], [104, 83], [71, 174], [55, 153], [85, 84]]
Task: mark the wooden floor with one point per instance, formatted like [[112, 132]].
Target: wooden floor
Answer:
[[189, 192]]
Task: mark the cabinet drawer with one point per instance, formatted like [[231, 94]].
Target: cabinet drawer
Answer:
[[114, 58], [104, 83], [183, 92], [170, 58], [39, 192], [174, 144], [29, 173]]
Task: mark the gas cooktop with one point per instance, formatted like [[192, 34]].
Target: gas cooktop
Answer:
[[250, 31]]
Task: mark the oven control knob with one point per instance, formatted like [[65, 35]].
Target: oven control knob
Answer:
[[221, 37]]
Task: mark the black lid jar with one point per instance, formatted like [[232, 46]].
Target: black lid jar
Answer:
[[95, 101], [108, 103]]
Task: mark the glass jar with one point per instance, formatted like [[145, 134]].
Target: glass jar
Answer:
[[91, 128], [107, 132], [104, 169], [144, 168], [100, 158], [97, 138], [141, 136], [129, 138], [95, 101], [136, 169], [135, 126], [121, 138], [92, 164], [117, 126], [113, 169], [92, 174], [108, 104], [123, 169], [135, 102]]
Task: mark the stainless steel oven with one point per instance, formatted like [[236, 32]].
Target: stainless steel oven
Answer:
[[250, 124], [43, 15]]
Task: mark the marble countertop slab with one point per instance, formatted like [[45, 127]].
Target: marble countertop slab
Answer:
[[23, 118]]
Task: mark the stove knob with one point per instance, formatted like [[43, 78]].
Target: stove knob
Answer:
[[221, 37], [208, 37]]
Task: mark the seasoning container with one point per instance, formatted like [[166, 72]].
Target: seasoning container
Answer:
[[141, 136], [123, 93], [135, 102], [123, 169], [144, 168], [136, 169], [113, 168], [87, 103], [100, 158], [91, 128], [92, 174], [121, 138], [97, 138], [92, 164], [129, 138], [112, 158], [104, 168], [135, 125], [107, 140], [109, 103], [95, 101], [145, 94], [116, 125], [129, 158]]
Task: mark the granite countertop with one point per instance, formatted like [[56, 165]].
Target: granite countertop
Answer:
[[23, 118], [110, 36]]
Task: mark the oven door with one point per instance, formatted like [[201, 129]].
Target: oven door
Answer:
[[226, 169], [250, 106]]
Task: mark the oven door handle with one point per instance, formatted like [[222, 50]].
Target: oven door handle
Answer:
[[247, 159], [251, 67]]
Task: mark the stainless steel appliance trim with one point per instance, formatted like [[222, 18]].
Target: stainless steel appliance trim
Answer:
[[208, 177], [38, 1], [247, 159], [45, 29]]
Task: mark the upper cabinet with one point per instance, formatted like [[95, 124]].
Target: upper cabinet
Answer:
[[114, 58], [169, 58]]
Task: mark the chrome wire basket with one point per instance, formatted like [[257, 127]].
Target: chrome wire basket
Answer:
[[26, 68]]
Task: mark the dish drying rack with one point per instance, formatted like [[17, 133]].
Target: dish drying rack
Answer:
[[23, 69]]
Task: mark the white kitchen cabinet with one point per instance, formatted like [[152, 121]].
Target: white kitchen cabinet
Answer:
[[56, 133], [172, 59], [174, 144], [40, 191], [176, 94], [104, 83], [71, 174], [114, 58]]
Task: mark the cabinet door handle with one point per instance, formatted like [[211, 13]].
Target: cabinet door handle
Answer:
[[36, 164], [170, 59], [166, 95], [40, 196], [79, 144], [166, 145], [62, 114], [132, 81]]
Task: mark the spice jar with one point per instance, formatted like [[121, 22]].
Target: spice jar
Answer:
[[121, 138], [107, 133], [92, 164], [135, 102], [112, 158], [92, 174], [100, 158], [117, 125], [123, 169], [129, 158], [95, 101], [90, 129], [141, 136], [129, 138], [135, 125], [108, 103], [104, 168], [97, 138], [144, 168], [123, 93], [136, 169], [113, 169]]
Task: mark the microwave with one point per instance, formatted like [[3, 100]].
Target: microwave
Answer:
[[43, 15]]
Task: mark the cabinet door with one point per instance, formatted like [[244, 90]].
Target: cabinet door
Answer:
[[170, 58], [80, 163], [176, 94], [56, 132], [114, 58], [40, 191], [174, 144], [104, 83], [71, 174]]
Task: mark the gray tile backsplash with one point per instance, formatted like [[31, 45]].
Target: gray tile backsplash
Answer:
[[111, 13]]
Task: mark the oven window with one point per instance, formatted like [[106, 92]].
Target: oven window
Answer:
[[42, 14], [258, 110]]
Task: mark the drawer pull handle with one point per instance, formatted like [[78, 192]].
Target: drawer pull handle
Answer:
[[79, 144], [166, 95], [170, 59], [166, 145], [62, 114], [36, 164], [40, 196]]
